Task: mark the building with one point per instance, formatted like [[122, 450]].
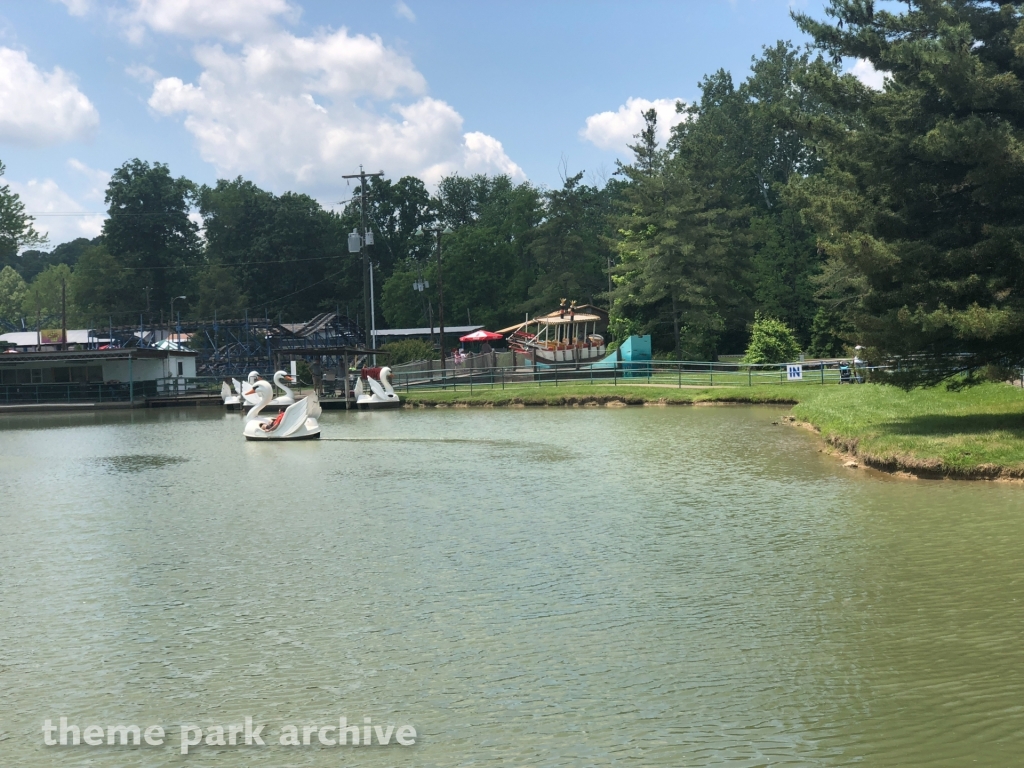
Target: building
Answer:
[[93, 375], [49, 339]]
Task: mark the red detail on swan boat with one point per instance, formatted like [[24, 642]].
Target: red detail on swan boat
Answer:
[[370, 373]]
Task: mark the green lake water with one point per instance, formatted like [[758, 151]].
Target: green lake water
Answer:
[[527, 587]]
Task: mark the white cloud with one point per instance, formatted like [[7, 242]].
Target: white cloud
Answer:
[[57, 214], [39, 108], [77, 7], [865, 71], [288, 110], [142, 73], [233, 20], [404, 11], [615, 130], [98, 180]]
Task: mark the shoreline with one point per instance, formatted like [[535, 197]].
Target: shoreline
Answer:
[[882, 441]]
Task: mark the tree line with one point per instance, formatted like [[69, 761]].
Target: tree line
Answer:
[[887, 218]]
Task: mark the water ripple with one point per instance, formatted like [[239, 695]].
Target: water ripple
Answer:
[[659, 587]]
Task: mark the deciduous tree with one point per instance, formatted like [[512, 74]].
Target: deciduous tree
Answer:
[[149, 231], [16, 228]]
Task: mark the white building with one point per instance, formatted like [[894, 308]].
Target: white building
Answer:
[[92, 375]]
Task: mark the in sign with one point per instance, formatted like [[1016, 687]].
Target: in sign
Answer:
[[795, 372]]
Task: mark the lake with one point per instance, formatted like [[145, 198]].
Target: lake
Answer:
[[546, 587]]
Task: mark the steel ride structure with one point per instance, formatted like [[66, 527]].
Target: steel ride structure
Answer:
[[232, 348]]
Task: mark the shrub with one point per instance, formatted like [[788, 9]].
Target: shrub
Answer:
[[771, 341], [408, 350]]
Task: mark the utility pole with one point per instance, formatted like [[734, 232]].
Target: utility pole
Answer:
[[362, 247]]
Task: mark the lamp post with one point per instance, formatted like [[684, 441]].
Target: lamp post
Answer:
[[177, 325], [421, 285], [438, 231]]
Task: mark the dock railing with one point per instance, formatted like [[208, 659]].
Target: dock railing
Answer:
[[665, 373], [72, 392]]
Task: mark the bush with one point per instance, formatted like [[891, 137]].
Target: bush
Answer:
[[771, 341], [998, 373], [408, 350]]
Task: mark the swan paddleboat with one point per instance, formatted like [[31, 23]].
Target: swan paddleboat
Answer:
[[296, 422], [381, 394]]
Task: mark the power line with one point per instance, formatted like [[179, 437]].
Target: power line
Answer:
[[99, 213], [74, 268], [151, 213]]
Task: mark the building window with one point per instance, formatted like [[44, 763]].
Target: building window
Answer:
[[181, 368], [37, 375]]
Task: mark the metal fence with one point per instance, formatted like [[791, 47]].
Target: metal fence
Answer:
[[25, 394], [666, 373], [99, 392]]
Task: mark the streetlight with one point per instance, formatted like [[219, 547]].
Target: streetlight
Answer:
[[438, 231], [421, 285], [176, 325]]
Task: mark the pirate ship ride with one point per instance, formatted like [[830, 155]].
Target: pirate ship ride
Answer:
[[568, 335]]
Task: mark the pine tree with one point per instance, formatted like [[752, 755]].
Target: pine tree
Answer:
[[674, 253], [924, 198]]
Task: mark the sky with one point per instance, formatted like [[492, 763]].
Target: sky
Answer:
[[294, 94]]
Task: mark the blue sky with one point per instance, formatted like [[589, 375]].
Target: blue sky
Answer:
[[294, 93]]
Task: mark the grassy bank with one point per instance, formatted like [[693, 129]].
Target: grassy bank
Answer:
[[977, 433], [602, 394]]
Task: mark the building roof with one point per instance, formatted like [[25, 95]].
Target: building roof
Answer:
[[31, 338], [448, 329], [554, 319], [86, 355]]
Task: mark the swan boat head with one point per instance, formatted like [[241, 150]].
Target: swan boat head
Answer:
[[288, 397], [264, 392]]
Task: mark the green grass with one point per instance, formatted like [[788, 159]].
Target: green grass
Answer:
[[583, 394], [976, 433]]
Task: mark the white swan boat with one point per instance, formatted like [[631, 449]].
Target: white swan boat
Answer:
[[381, 394], [229, 399], [296, 422]]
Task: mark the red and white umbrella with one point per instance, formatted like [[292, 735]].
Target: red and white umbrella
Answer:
[[482, 335]]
